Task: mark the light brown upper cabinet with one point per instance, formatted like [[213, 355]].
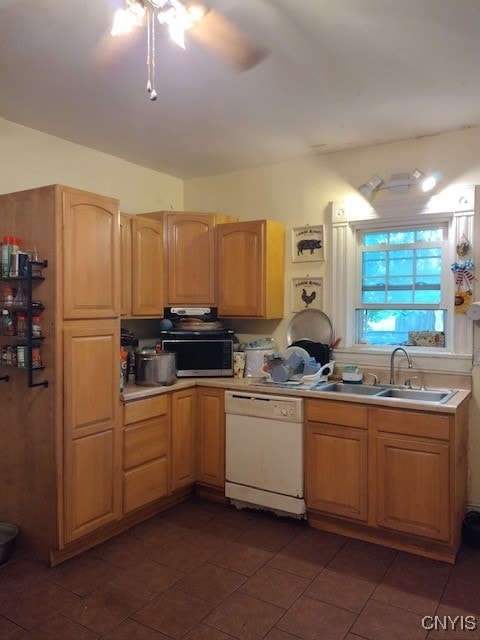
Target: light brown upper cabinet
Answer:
[[126, 264], [90, 255], [250, 269], [147, 290], [190, 276]]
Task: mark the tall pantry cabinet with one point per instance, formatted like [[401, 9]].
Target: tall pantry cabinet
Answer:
[[61, 444]]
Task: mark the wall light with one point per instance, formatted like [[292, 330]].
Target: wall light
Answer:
[[399, 183]]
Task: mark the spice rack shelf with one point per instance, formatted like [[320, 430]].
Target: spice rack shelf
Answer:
[[30, 308]]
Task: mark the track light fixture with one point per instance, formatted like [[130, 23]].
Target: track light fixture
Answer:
[[399, 183]]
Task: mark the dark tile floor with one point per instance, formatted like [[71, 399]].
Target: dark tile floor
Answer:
[[202, 571]]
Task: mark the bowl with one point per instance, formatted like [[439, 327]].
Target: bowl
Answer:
[[8, 533]]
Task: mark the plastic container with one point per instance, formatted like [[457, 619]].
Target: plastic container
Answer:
[[14, 256], [7, 243]]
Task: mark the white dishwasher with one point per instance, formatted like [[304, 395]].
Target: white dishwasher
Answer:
[[264, 452]]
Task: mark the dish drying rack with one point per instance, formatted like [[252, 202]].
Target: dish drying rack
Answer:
[[298, 380]]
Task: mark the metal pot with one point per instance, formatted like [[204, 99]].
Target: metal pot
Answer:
[[155, 369]]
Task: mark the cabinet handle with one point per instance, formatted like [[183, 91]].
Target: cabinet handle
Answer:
[[5, 378]]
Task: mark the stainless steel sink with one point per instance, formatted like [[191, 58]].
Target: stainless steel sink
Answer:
[[386, 391], [422, 395], [356, 389]]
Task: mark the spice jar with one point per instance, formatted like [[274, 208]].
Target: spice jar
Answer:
[[36, 358], [21, 325], [8, 296], [36, 327], [7, 322]]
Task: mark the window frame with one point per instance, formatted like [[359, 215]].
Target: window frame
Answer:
[[456, 207], [446, 289]]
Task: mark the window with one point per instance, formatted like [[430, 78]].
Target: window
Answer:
[[393, 293], [400, 294]]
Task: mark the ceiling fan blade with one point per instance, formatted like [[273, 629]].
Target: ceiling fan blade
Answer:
[[225, 39]]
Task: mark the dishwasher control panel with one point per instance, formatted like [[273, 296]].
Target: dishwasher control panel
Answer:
[[264, 406]]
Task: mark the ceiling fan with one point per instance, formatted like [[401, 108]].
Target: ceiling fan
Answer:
[[202, 23]]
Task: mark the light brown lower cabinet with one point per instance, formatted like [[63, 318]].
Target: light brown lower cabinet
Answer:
[[146, 439], [183, 451], [413, 486], [92, 495], [391, 476], [337, 470], [211, 436]]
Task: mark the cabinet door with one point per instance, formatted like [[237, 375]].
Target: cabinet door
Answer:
[[91, 426], [147, 267], [241, 277], [183, 467], [250, 269], [211, 436], [336, 470], [91, 242], [125, 265], [413, 487], [190, 259]]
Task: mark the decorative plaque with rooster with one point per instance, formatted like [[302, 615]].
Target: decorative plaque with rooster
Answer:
[[307, 293]]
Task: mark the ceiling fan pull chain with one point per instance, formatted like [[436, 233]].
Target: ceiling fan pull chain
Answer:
[[151, 54]]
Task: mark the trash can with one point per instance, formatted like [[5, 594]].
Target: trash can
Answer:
[[471, 529], [8, 533]]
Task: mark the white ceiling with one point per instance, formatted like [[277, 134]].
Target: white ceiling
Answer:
[[340, 74]]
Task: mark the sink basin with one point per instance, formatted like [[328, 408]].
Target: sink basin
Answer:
[[387, 391], [356, 389], [423, 395]]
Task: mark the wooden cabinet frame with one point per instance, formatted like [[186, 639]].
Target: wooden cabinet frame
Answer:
[[416, 482]]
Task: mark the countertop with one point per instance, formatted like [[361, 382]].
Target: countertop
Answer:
[[134, 392]]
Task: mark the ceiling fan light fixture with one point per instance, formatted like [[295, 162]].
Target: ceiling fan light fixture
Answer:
[[125, 19], [181, 17], [122, 22]]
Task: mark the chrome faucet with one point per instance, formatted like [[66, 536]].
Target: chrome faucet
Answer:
[[392, 357]]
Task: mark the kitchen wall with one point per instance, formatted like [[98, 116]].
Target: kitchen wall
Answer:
[[296, 193], [29, 158]]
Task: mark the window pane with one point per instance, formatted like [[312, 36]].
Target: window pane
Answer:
[[430, 235], [392, 326], [400, 262], [402, 237], [374, 263], [372, 239]]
